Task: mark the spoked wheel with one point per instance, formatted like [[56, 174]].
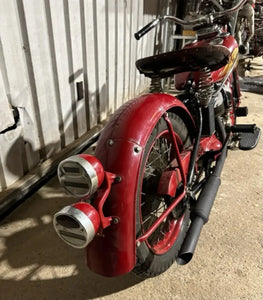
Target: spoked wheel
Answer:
[[159, 251]]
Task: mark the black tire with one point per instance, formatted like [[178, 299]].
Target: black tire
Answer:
[[152, 259]]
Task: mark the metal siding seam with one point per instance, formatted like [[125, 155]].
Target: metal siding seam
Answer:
[[85, 71], [31, 76], [70, 66], [55, 73]]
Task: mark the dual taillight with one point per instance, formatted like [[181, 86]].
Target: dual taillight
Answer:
[[81, 176]]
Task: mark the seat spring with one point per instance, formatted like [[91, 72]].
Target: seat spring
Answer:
[[156, 86], [205, 87]]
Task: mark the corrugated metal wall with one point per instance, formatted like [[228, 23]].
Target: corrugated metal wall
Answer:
[[66, 65]]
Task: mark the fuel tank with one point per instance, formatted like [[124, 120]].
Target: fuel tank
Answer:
[[222, 39]]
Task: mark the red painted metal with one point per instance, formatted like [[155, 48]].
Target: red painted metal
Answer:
[[172, 176], [96, 165], [170, 237], [120, 150], [185, 158], [150, 231], [177, 152], [169, 182], [210, 143], [232, 46], [90, 212], [217, 75], [102, 197]]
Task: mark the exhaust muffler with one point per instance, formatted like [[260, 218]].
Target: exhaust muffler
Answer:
[[201, 211]]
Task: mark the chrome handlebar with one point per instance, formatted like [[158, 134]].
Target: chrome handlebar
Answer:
[[207, 19]]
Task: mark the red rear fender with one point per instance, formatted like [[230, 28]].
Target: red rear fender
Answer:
[[120, 150]]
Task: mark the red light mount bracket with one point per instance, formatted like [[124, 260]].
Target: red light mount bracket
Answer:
[[103, 193]]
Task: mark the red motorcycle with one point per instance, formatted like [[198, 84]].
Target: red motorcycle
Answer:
[[256, 48], [148, 190], [249, 29]]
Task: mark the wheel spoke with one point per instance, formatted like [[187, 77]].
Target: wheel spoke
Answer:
[[149, 173], [159, 157], [151, 216], [156, 213], [153, 205], [160, 208]]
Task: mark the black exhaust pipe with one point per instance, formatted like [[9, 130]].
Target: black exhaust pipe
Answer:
[[201, 211]]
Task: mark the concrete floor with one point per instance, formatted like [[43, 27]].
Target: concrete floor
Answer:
[[36, 264]]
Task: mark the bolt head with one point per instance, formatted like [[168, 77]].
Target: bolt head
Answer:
[[115, 220], [137, 149], [110, 142], [118, 179]]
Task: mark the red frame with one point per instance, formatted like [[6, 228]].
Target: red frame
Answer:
[[146, 235], [102, 197]]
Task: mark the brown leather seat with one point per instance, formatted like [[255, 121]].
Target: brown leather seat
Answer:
[[184, 60]]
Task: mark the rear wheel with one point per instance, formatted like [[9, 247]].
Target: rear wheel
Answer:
[[159, 251]]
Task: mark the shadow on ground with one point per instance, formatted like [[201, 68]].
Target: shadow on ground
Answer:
[[35, 264], [252, 84]]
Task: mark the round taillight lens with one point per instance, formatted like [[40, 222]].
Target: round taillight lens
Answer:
[[81, 175], [77, 224]]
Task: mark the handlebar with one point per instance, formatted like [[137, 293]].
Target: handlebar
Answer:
[[207, 19]]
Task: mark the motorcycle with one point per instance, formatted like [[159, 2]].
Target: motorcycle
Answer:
[[249, 29], [256, 48], [148, 191]]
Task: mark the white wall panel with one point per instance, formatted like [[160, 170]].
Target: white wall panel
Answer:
[[112, 42], [7, 119], [60, 59], [39, 44], [47, 49]]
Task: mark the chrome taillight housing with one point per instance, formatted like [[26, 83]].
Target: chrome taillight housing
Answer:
[[81, 175], [77, 224]]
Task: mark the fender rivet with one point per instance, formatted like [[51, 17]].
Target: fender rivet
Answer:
[[137, 149], [115, 220], [118, 178], [110, 142]]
